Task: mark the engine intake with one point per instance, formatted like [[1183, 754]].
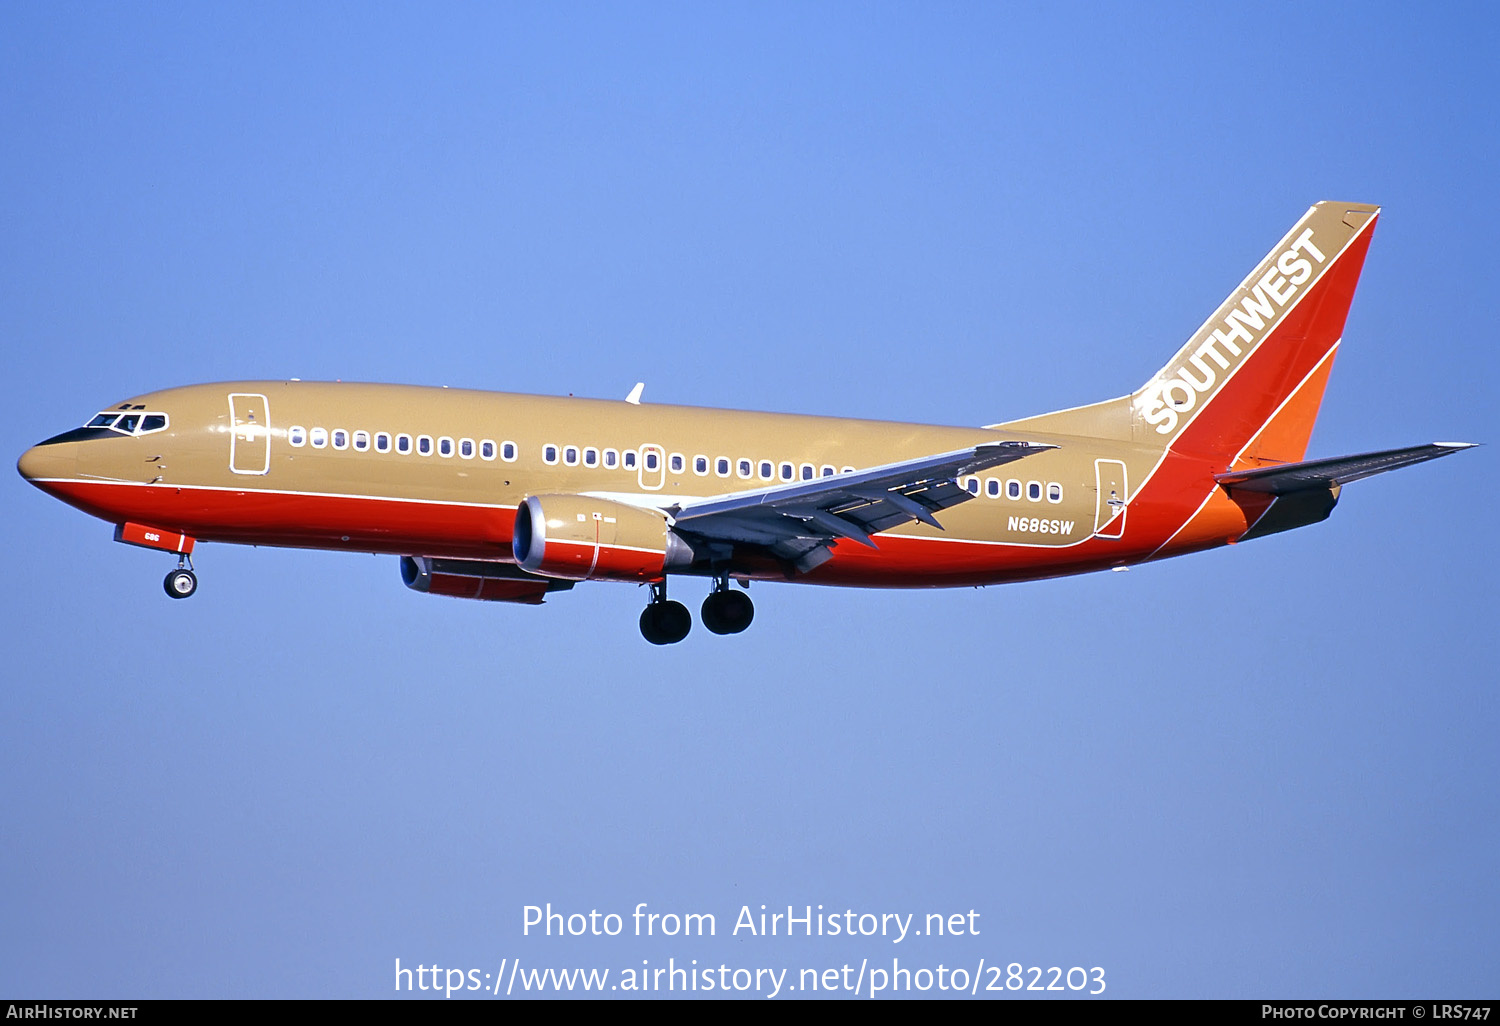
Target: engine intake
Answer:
[[579, 538], [476, 579]]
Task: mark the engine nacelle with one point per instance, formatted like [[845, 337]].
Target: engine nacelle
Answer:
[[581, 539], [476, 579]]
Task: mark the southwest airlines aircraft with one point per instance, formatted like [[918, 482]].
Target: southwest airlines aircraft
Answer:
[[510, 497]]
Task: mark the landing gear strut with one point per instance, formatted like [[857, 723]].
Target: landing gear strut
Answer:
[[726, 611], [182, 582], [664, 622]]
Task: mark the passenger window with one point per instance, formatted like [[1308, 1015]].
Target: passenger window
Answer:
[[721, 466], [700, 465], [361, 440], [676, 462], [1034, 491], [508, 451], [296, 436], [807, 471], [828, 471], [848, 470], [549, 454], [788, 471], [972, 485], [629, 457], [424, 445], [745, 470], [153, 422], [340, 438], [403, 444], [383, 441], [767, 470], [992, 487], [466, 448], [1012, 489], [611, 459], [1054, 492], [591, 457], [652, 461], [318, 437], [570, 455], [486, 450]]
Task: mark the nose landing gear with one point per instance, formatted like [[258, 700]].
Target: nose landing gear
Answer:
[[664, 622], [182, 582]]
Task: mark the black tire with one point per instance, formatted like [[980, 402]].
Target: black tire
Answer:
[[180, 584], [728, 612], [648, 626], [665, 623]]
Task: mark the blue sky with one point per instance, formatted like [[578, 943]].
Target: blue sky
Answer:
[[1267, 770]]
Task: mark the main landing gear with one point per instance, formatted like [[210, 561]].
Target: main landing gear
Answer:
[[664, 622], [182, 582], [725, 611]]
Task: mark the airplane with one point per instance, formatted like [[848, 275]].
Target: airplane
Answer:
[[510, 498]]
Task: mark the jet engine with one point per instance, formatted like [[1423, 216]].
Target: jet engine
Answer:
[[477, 579], [581, 539]]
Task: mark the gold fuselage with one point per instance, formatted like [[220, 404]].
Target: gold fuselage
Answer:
[[300, 464]]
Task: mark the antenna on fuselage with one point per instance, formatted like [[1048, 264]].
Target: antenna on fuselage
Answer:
[[634, 398]]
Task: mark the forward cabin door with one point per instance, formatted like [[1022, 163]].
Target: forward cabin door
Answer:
[[249, 433], [1109, 510]]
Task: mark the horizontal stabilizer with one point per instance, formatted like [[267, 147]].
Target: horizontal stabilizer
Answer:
[[1339, 470]]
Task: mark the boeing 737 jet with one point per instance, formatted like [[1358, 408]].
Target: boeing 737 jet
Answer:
[[508, 498]]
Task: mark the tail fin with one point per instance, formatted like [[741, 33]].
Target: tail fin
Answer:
[[1248, 384], [1246, 387]]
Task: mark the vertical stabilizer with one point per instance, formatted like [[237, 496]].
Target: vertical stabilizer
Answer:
[[1251, 378], [1247, 385]]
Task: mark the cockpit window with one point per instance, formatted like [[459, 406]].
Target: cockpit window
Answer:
[[127, 423]]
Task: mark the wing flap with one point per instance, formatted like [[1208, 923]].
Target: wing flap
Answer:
[[799, 521]]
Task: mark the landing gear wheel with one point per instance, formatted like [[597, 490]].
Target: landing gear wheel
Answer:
[[181, 584], [727, 612], [665, 622]]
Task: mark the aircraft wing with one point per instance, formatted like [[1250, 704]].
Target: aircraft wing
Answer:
[[800, 521], [1339, 470]]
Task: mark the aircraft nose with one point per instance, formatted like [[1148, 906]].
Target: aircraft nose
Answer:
[[44, 461]]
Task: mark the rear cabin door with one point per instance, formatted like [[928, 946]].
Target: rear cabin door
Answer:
[[249, 434], [1109, 511]]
